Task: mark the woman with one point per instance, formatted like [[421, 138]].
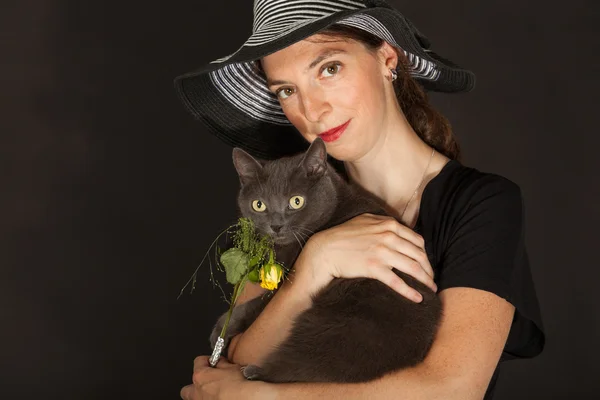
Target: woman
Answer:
[[353, 73]]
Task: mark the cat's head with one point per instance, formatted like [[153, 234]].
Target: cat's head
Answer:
[[289, 198]]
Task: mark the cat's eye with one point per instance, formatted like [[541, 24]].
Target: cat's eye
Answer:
[[296, 202], [259, 206]]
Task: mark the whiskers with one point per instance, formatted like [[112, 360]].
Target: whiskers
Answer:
[[301, 234], [297, 239], [304, 229]]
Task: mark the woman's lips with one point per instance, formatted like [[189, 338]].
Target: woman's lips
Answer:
[[334, 133]]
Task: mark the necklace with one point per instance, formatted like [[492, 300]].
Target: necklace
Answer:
[[418, 187]]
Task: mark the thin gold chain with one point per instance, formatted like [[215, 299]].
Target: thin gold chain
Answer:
[[418, 187]]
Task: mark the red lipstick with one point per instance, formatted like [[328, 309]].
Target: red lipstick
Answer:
[[334, 133]]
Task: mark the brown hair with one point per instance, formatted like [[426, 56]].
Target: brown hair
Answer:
[[431, 126]]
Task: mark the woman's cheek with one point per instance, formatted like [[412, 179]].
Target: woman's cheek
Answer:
[[349, 92], [292, 113]]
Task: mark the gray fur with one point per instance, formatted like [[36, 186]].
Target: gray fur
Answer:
[[356, 330]]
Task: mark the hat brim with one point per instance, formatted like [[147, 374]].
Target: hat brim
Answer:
[[267, 140]]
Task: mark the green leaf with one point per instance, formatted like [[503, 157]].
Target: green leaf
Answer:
[[235, 262], [253, 276]]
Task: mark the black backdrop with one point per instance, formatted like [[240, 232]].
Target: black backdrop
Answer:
[[111, 193]]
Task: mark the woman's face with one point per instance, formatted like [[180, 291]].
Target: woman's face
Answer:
[[325, 83]]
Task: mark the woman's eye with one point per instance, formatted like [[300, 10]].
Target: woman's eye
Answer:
[[296, 202], [259, 206], [331, 69], [284, 93]]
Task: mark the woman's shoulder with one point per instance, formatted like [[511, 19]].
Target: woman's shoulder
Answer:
[[458, 177], [463, 185], [473, 223], [461, 196]]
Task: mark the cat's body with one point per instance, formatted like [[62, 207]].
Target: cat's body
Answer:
[[356, 329]]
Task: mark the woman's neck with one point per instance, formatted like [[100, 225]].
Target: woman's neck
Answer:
[[394, 167]]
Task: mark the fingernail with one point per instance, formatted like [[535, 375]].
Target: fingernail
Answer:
[[417, 298]]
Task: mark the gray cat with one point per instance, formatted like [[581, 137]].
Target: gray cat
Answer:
[[357, 329]]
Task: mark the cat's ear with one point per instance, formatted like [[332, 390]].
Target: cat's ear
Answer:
[[246, 166], [315, 159]]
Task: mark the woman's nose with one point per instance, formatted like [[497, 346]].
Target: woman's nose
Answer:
[[315, 105]]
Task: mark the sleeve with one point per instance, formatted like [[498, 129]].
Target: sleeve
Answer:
[[486, 250], [484, 238]]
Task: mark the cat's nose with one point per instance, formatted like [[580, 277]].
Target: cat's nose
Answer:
[[276, 228]]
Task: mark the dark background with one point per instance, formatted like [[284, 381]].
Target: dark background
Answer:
[[111, 192]]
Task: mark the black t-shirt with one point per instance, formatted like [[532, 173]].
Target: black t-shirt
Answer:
[[473, 226]]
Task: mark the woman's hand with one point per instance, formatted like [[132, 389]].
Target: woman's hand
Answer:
[[366, 246], [224, 382]]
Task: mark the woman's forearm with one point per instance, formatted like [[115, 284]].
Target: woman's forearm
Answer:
[[272, 325], [417, 383]]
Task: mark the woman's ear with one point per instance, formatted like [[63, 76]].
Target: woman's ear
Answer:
[[388, 56]]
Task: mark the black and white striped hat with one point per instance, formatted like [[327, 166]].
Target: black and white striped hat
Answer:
[[231, 96]]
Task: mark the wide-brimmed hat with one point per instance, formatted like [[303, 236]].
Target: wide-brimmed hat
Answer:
[[231, 97]]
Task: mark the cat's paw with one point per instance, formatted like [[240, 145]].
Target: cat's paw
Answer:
[[252, 372]]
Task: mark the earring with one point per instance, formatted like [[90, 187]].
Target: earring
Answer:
[[394, 74]]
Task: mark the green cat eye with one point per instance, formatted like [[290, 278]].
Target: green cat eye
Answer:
[[296, 202], [259, 206]]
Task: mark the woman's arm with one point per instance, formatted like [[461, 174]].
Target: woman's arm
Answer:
[[250, 291], [253, 345], [364, 246], [459, 365]]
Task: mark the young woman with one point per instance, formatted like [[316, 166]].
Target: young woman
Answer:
[[355, 73]]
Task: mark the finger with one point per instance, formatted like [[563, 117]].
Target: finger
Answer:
[[401, 234], [383, 223], [409, 249], [186, 392], [203, 372], [404, 232], [409, 266], [201, 362], [420, 253], [392, 224], [392, 280]]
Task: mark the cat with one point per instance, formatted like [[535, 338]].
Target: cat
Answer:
[[356, 330]]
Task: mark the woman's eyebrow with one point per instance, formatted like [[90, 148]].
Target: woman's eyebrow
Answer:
[[326, 53]]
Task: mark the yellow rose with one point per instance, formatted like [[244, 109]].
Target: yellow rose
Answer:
[[270, 275]]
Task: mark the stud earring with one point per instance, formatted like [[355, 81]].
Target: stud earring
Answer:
[[394, 74]]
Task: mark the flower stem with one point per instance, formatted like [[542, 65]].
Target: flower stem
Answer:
[[237, 290]]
